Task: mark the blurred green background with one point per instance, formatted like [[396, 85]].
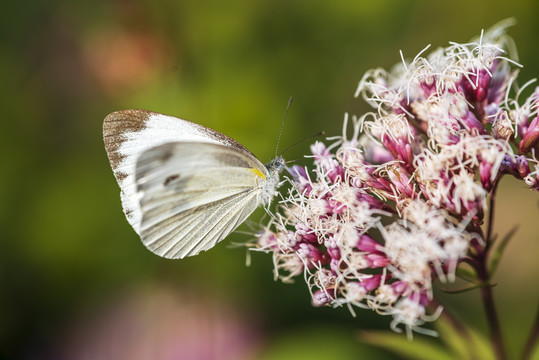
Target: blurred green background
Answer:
[[75, 281]]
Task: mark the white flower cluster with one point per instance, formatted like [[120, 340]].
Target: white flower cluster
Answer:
[[398, 205]]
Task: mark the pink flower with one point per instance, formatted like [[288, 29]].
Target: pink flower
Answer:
[[385, 213]]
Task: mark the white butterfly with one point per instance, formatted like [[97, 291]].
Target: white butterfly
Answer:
[[184, 187]]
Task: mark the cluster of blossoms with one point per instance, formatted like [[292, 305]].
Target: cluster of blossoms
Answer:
[[398, 204]]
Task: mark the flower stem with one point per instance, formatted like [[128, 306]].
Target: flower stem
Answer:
[[491, 214], [486, 288], [492, 316], [532, 339]]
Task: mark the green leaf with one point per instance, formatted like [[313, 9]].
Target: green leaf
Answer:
[[460, 290], [457, 340], [481, 345], [465, 342], [419, 348], [467, 274], [535, 353], [318, 342], [497, 253], [467, 288]]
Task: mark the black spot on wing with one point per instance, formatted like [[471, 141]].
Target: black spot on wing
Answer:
[[170, 179]]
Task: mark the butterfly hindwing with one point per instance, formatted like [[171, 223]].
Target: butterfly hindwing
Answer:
[[193, 194]]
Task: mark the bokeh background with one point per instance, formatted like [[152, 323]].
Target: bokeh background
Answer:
[[75, 281]]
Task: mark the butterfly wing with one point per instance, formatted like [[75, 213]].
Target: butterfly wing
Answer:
[[128, 133], [193, 194]]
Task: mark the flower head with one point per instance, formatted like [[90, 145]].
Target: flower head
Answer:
[[396, 206]]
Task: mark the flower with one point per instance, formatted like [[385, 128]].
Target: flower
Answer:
[[388, 211]]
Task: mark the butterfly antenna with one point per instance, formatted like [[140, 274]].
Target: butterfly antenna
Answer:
[[321, 133], [282, 126]]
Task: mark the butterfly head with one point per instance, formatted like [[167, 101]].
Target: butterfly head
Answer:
[[274, 167]]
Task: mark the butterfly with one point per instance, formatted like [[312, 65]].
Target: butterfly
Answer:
[[184, 187]]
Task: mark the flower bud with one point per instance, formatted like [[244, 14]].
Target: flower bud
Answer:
[[531, 138]]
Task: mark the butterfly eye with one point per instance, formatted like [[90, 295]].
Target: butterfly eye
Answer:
[[277, 164]]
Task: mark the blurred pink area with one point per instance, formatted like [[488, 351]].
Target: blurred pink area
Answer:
[[121, 59], [162, 324]]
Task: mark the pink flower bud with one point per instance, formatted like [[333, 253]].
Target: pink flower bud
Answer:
[[421, 298], [531, 138], [485, 174], [334, 252], [398, 176], [509, 165], [372, 283], [301, 179], [377, 260], [368, 244], [320, 298], [400, 149], [522, 166], [476, 85], [306, 232], [472, 124], [400, 287], [312, 255]]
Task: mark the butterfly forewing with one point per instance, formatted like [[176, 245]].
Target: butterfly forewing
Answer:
[[194, 194], [129, 133]]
